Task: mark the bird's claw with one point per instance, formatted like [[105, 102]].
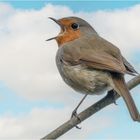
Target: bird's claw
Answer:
[[115, 102], [74, 114]]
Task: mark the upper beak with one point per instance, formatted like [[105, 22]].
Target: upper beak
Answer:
[[56, 21]]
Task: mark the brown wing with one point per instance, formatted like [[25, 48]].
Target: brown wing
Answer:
[[104, 61], [95, 53]]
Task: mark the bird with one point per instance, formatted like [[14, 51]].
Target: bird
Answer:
[[90, 64]]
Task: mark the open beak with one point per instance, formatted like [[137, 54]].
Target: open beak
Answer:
[[56, 21]]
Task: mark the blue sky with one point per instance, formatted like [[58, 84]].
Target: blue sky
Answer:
[[17, 101], [75, 5]]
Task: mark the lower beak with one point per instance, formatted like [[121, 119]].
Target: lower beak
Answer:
[[56, 21], [51, 38]]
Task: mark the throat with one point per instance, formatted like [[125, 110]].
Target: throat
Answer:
[[67, 37], [61, 40]]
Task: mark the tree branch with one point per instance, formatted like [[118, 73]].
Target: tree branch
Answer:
[[107, 100]]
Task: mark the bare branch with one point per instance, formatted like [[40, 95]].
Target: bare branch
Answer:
[[107, 100]]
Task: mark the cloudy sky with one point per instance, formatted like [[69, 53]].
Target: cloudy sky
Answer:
[[33, 98]]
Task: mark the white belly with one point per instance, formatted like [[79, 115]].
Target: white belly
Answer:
[[85, 80]]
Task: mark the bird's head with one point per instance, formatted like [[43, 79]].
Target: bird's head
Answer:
[[72, 28]]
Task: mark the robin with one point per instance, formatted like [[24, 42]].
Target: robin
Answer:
[[90, 64]]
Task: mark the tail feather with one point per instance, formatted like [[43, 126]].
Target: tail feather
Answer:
[[121, 88]]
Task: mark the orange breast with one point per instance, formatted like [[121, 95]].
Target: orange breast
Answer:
[[69, 35]]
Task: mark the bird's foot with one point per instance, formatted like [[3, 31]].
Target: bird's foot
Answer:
[[115, 103], [74, 114], [111, 94]]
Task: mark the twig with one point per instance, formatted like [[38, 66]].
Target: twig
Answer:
[[88, 112]]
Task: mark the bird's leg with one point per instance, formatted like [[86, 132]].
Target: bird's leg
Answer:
[[111, 94], [74, 113]]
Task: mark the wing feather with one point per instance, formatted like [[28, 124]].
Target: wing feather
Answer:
[[96, 53]]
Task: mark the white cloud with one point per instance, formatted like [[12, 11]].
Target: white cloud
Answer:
[[39, 122], [27, 60]]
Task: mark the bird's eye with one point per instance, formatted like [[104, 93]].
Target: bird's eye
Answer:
[[74, 26]]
